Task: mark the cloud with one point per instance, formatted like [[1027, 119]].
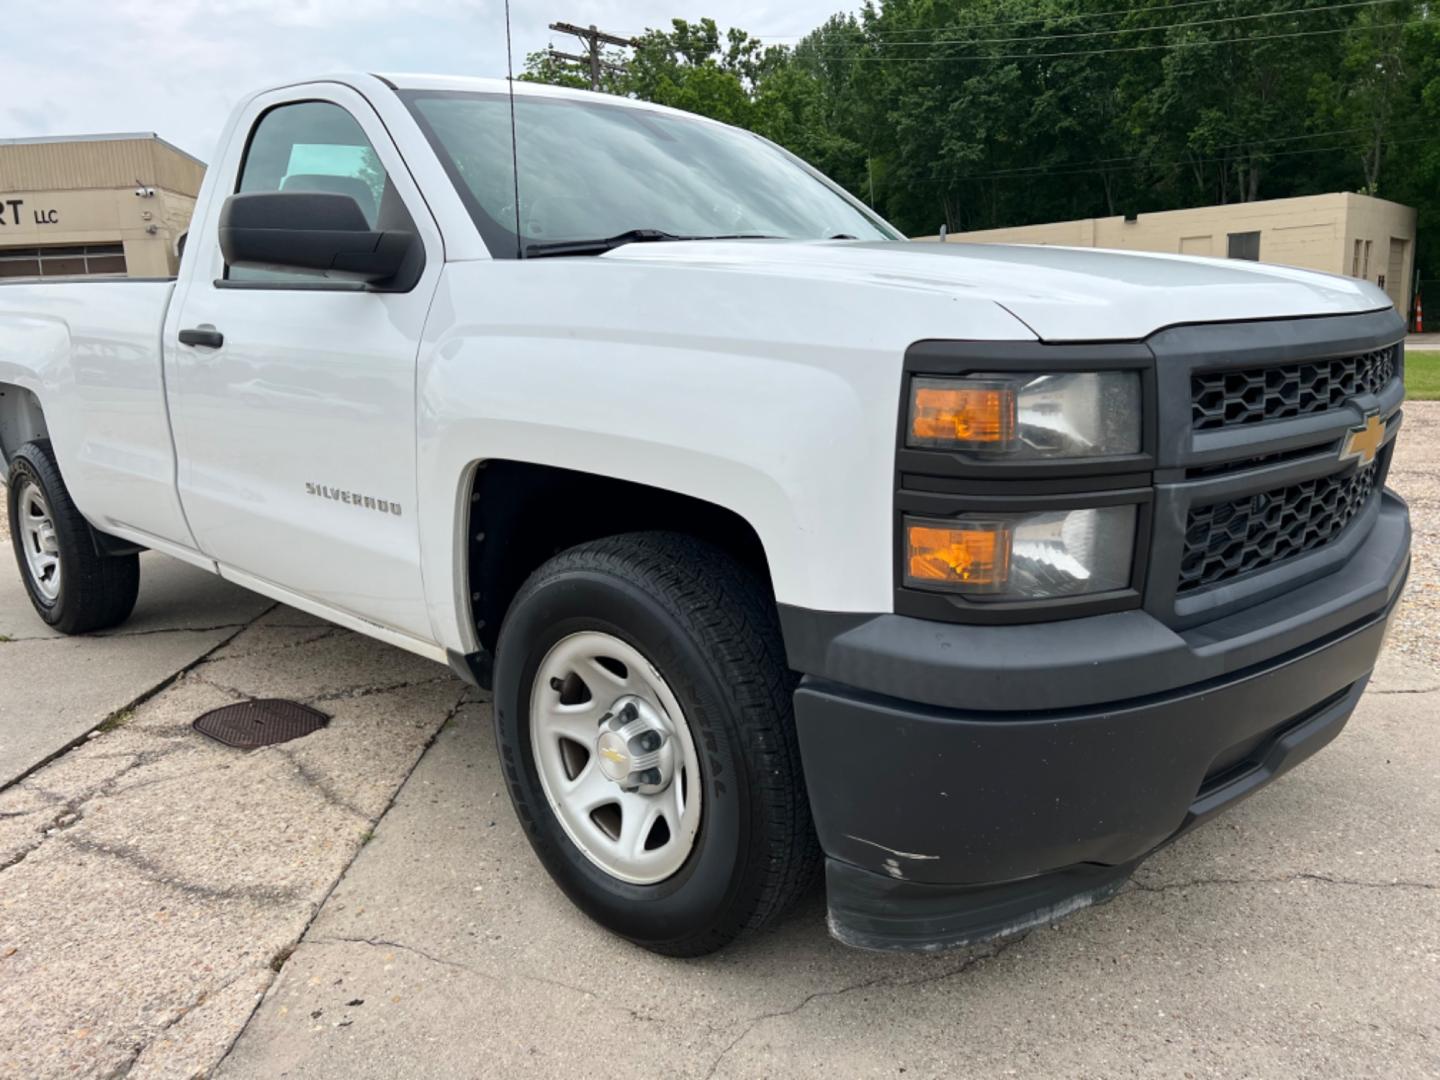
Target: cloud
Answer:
[[177, 67]]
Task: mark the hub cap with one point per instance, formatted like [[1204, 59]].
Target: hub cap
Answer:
[[37, 538], [615, 757]]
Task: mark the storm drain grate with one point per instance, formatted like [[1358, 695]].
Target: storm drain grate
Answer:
[[260, 723]]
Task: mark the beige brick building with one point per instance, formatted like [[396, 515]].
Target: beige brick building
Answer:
[[1341, 233], [94, 205]]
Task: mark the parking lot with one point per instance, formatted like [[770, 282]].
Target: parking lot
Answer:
[[361, 903]]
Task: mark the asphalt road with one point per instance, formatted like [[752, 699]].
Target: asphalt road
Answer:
[[360, 902]]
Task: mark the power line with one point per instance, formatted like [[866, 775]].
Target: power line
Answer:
[[1116, 31], [1139, 162], [1076, 54], [1040, 170], [1058, 17]]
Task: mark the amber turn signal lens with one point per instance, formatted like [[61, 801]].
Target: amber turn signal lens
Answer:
[[975, 558], [947, 414]]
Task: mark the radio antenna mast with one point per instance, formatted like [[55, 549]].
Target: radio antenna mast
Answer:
[[514, 150]]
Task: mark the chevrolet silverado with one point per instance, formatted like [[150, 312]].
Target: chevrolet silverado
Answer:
[[966, 575]]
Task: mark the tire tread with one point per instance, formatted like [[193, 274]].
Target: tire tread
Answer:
[[733, 618], [98, 591]]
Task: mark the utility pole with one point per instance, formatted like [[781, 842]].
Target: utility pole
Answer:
[[592, 39]]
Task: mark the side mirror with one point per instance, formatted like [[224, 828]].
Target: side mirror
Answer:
[[316, 232]]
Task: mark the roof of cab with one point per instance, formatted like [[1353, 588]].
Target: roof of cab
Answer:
[[477, 85]]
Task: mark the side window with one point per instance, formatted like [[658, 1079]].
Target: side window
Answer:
[[317, 146]]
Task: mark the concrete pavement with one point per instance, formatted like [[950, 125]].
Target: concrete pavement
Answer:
[[56, 689], [1298, 936], [360, 902], [152, 882]]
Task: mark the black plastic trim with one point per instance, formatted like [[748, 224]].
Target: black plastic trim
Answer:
[[202, 337], [1172, 509], [888, 910], [294, 286], [1039, 666], [477, 668], [1182, 350], [964, 797]]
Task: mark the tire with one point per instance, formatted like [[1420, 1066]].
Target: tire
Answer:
[[79, 590], [708, 629]]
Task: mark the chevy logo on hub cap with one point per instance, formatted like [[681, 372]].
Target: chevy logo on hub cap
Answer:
[[1364, 442]]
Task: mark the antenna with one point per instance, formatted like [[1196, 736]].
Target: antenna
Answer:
[[514, 149]]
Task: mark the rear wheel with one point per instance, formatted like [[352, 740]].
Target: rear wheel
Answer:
[[71, 585], [643, 711]]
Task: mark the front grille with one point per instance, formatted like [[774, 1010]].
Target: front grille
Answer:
[[1225, 540], [1223, 399]]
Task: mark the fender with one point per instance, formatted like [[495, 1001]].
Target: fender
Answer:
[[755, 393]]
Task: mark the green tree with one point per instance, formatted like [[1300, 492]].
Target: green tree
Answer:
[[982, 113]]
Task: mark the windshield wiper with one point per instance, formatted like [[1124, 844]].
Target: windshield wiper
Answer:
[[630, 236]]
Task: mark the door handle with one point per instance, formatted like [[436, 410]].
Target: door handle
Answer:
[[206, 337]]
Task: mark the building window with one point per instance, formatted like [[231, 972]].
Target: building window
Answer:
[[1245, 245], [1365, 266], [82, 260], [1355, 259]]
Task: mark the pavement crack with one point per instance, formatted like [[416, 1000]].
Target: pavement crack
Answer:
[[105, 636], [180, 1013], [173, 630], [238, 695], [154, 872], [450, 715], [164, 684], [370, 691], [865, 984], [72, 809], [1283, 879], [506, 977], [383, 943], [321, 785], [268, 650]]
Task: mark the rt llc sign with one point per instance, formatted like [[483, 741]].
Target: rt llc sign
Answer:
[[11, 211]]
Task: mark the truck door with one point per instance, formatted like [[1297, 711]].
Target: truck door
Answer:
[[293, 396]]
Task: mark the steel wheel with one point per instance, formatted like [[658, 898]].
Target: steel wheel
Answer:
[[38, 541], [615, 757]]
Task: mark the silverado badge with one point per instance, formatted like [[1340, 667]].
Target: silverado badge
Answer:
[[1364, 442]]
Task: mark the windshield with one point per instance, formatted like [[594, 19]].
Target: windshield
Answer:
[[591, 170]]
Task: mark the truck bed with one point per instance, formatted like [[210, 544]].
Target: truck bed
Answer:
[[91, 349]]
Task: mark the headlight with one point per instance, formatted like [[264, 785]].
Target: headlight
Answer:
[[1022, 556], [1028, 417]]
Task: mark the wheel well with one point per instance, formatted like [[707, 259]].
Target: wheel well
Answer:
[[522, 514], [21, 420]]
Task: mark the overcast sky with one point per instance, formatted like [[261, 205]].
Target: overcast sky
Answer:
[[175, 67]]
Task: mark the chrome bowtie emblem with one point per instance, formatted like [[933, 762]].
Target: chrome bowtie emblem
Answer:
[[1363, 443]]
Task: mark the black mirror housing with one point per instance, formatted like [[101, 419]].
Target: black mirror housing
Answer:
[[317, 232]]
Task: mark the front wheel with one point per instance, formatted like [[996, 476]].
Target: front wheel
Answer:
[[643, 712]]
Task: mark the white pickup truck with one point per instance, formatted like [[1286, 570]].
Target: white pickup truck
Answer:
[[971, 574]]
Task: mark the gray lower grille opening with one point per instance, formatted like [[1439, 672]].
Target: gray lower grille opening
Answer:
[[1227, 539], [1224, 399]]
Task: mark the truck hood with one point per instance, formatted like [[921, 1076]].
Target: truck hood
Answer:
[[1061, 294]]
